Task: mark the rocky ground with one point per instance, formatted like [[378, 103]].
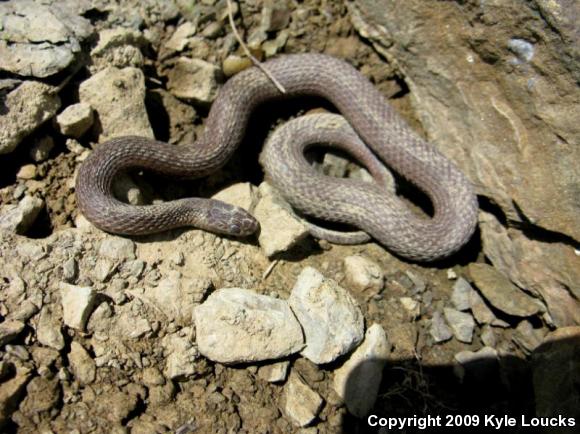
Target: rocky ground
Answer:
[[187, 331]]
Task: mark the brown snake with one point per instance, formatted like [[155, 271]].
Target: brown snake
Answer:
[[366, 206]]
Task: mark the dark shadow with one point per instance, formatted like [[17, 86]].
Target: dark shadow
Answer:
[[464, 398]]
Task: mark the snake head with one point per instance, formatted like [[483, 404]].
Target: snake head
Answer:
[[231, 220]]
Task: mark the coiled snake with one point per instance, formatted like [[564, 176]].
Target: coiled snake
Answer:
[[367, 206]]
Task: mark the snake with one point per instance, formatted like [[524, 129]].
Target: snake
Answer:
[[366, 116]]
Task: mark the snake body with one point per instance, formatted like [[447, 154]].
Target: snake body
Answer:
[[364, 205]]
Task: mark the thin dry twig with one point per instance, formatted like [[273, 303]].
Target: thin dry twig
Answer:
[[247, 50]]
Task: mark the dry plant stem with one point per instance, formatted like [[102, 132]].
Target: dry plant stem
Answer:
[[247, 51]]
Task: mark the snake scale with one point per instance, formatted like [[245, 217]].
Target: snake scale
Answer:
[[368, 118]]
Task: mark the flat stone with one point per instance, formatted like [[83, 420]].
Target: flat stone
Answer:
[[461, 323], [331, 319], [180, 37], [528, 337], [195, 80], [234, 64], [481, 312], [78, 303], [39, 40], [118, 97], [460, 297], [280, 228], [302, 404], [501, 293], [364, 274], [237, 325], [11, 392], [357, 381], [75, 120], [26, 108], [81, 363], [19, 218], [439, 331]]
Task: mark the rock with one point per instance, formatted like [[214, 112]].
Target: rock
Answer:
[[458, 109], [548, 268], [42, 395], [301, 403], [556, 375], [28, 171], [501, 293], [117, 248], [242, 194], [19, 218], [118, 98], [275, 372], [439, 330], [411, 306], [234, 64], [461, 323], [275, 15], [280, 228], [26, 311], [81, 363], [38, 40], [461, 295], [11, 392], [181, 354], [330, 318], [363, 274], [237, 325], [481, 312], [488, 336], [357, 381], [180, 37], [119, 47], [25, 109], [41, 148], [48, 330], [482, 364], [9, 330], [75, 120], [78, 303], [419, 284], [194, 80], [527, 337]]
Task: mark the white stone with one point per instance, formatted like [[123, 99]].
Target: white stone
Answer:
[[362, 273], [275, 372], [461, 295], [82, 365], [332, 321], [236, 325], [281, 228], [461, 323], [118, 97], [117, 248], [75, 120], [412, 306], [194, 79], [357, 381], [181, 354], [242, 194], [77, 304], [19, 218], [302, 404], [48, 331]]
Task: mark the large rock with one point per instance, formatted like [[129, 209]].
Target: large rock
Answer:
[[24, 109], [494, 103], [39, 40], [118, 97], [237, 325], [332, 321]]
